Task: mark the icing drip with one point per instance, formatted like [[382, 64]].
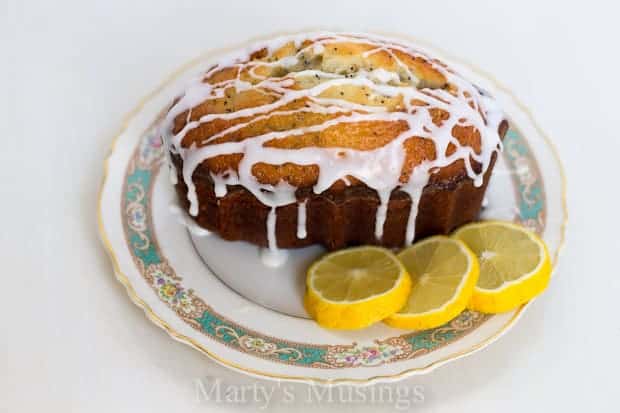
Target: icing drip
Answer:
[[384, 198], [301, 219], [414, 188], [380, 169], [187, 222], [271, 229], [172, 170], [273, 258], [220, 182]]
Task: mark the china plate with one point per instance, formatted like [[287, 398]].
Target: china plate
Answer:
[[200, 298]]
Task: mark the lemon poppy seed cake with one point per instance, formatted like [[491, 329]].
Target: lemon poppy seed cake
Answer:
[[333, 139]]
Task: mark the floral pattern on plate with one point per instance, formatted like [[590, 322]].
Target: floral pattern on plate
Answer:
[[169, 287]]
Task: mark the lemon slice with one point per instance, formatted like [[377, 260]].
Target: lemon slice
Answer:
[[514, 264], [444, 272], [356, 287]]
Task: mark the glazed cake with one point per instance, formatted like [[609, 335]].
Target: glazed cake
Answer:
[[332, 139]]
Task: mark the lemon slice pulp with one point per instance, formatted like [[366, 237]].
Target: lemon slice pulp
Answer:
[[356, 287], [444, 272], [514, 264]]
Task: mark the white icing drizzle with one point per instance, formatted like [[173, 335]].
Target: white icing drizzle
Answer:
[[383, 76], [379, 169], [301, 219], [271, 229], [172, 170], [415, 186], [384, 198], [183, 219], [220, 182], [273, 258]]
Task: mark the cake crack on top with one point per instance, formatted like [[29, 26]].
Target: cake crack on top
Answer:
[[277, 142]]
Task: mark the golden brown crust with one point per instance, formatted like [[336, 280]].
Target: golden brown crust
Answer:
[[343, 216], [251, 100], [340, 217], [337, 57]]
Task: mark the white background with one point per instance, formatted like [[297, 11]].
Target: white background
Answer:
[[70, 337]]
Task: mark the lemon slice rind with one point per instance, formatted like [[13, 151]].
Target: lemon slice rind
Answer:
[[514, 293], [452, 307], [350, 315]]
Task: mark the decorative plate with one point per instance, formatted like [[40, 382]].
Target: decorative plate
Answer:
[[218, 297]]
